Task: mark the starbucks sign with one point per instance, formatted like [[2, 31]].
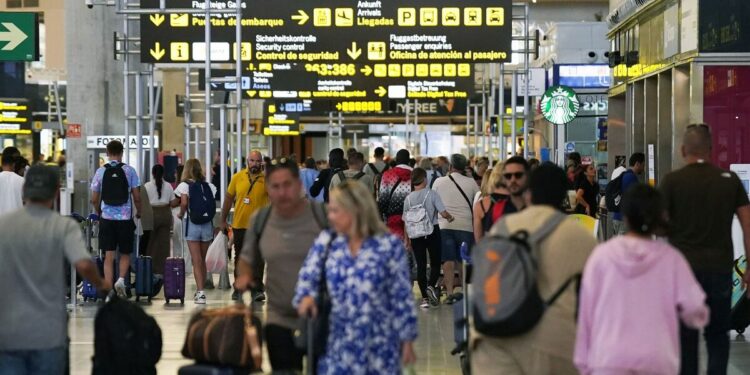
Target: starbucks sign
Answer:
[[560, 105]]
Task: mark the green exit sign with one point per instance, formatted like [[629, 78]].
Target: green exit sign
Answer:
[[19, 36]]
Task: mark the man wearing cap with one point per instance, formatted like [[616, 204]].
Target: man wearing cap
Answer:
[[394, 187], [35, 242], [456, 191], [11, 184]]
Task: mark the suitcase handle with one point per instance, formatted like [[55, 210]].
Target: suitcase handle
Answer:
[[737, 268]]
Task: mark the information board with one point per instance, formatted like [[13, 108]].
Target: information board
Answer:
[[473, 31], [15, 116], [350, 81]]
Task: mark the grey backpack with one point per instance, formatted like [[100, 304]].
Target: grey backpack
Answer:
[[506, 299]]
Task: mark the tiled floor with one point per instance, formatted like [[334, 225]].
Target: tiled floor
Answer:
[[433, 346]]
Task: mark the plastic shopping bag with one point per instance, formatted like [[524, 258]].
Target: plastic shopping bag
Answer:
[[216, 258]]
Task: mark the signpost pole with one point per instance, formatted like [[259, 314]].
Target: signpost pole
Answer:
[[138, 126], [187, 115], [208, 163], [407, 124], [152, 119], [126, 86], [417, 148], [238, 94], [485, 134], [341, 130], [513, 114], [501, 114], [222, 153], [528, 78], [330, 131], [492, 113], [468, 126]]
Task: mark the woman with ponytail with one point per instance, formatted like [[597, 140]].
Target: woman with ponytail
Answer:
[[636, 290], [160, 193]]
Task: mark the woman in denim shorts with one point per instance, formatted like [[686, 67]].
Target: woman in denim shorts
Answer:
[[198, 236]]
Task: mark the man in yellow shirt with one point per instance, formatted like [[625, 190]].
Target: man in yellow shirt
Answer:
[[247, 191]]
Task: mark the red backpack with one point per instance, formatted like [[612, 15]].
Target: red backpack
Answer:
[[491, 216]]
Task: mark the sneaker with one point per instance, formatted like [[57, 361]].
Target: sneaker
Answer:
[[432, 296], [209, 283], [121, 288], [424, 304], [200, 298], [453, 298], [236, 295], [259, 296]]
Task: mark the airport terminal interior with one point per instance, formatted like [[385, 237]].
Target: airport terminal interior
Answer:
[[630, 118]]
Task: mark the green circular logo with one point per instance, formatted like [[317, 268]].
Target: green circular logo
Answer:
[[560, 105]]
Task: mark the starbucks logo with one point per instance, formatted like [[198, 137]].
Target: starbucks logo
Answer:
[[560, 105]]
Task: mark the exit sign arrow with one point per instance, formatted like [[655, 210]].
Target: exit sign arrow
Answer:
[[14, 36]]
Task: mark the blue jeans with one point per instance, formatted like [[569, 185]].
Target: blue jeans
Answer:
[[718, 288], [33, 362]]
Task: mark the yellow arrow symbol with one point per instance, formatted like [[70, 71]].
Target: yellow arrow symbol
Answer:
[[157, 52], [251, 93], [381, 91], [354, 52], [301, 17], [157, 19], [338, 106], [366, 70]]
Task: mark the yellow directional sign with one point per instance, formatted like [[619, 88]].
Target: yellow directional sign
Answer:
[[423, 70], [381, 70], [495, 16], [354, 52], [157, 52], [464, 70], [246, 51], [451, 16], [251, 93], [436, 70], [407, 17], [428, 16], [179, 51], [381, 91], [449, 70], [407, 70], [376, 51], [179, 20], [366, 70], [322, 17], [301, 17], [473, 16], [394, 70], [344, 17], [157, 19]]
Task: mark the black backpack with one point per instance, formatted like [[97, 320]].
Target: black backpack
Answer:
[[127, 341], [115, 186], [613, 193], [202, 207]]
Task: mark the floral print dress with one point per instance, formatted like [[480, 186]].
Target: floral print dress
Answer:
[[373, 309]]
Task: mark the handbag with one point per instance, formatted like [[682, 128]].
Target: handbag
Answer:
[[312, 335], [229, 336]]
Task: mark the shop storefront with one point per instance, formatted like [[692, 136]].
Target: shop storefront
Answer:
[[677, 63]]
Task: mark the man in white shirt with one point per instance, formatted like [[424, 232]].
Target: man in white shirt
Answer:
[[456, 191], [11, 184]]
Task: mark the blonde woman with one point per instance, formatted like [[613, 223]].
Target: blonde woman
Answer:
[[198, 233], [373, 321]]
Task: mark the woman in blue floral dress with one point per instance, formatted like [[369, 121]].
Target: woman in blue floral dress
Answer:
[[373, 321]]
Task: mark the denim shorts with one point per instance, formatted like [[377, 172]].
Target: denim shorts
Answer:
[[199, 232], [451, 243]]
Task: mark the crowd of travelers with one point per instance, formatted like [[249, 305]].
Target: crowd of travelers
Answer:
[[364, 231]]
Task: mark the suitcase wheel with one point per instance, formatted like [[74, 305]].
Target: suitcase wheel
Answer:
[[167, 302], [741, 331], [182, 301], [149, 299]]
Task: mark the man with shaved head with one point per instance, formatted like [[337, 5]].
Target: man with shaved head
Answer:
[[247, 191], [702, 200]]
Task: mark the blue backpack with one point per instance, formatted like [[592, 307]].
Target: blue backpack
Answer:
[[202, 206]]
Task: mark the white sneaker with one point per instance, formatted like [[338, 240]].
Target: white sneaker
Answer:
[[200, 298], [121, 288], [425, 304]]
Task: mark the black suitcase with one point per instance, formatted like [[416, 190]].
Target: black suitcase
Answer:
[[200, 369]]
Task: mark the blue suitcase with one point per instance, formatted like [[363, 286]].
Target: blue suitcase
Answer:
[[144, 275], [89, 291]]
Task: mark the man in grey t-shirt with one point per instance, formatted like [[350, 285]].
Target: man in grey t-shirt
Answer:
[[289, 228], [36, 239]]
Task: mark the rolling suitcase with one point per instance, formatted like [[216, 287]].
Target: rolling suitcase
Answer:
[[144, 274], [740, 318], [88, 290], [200, 369], [174, 277]]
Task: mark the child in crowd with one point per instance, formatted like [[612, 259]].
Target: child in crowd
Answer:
[[635, 292]]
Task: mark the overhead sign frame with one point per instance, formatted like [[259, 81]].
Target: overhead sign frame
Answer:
[[334, 31]]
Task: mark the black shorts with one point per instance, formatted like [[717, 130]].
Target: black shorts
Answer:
[[116, 235]]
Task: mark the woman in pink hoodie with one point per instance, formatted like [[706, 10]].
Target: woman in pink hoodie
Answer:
[[635, 291]]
